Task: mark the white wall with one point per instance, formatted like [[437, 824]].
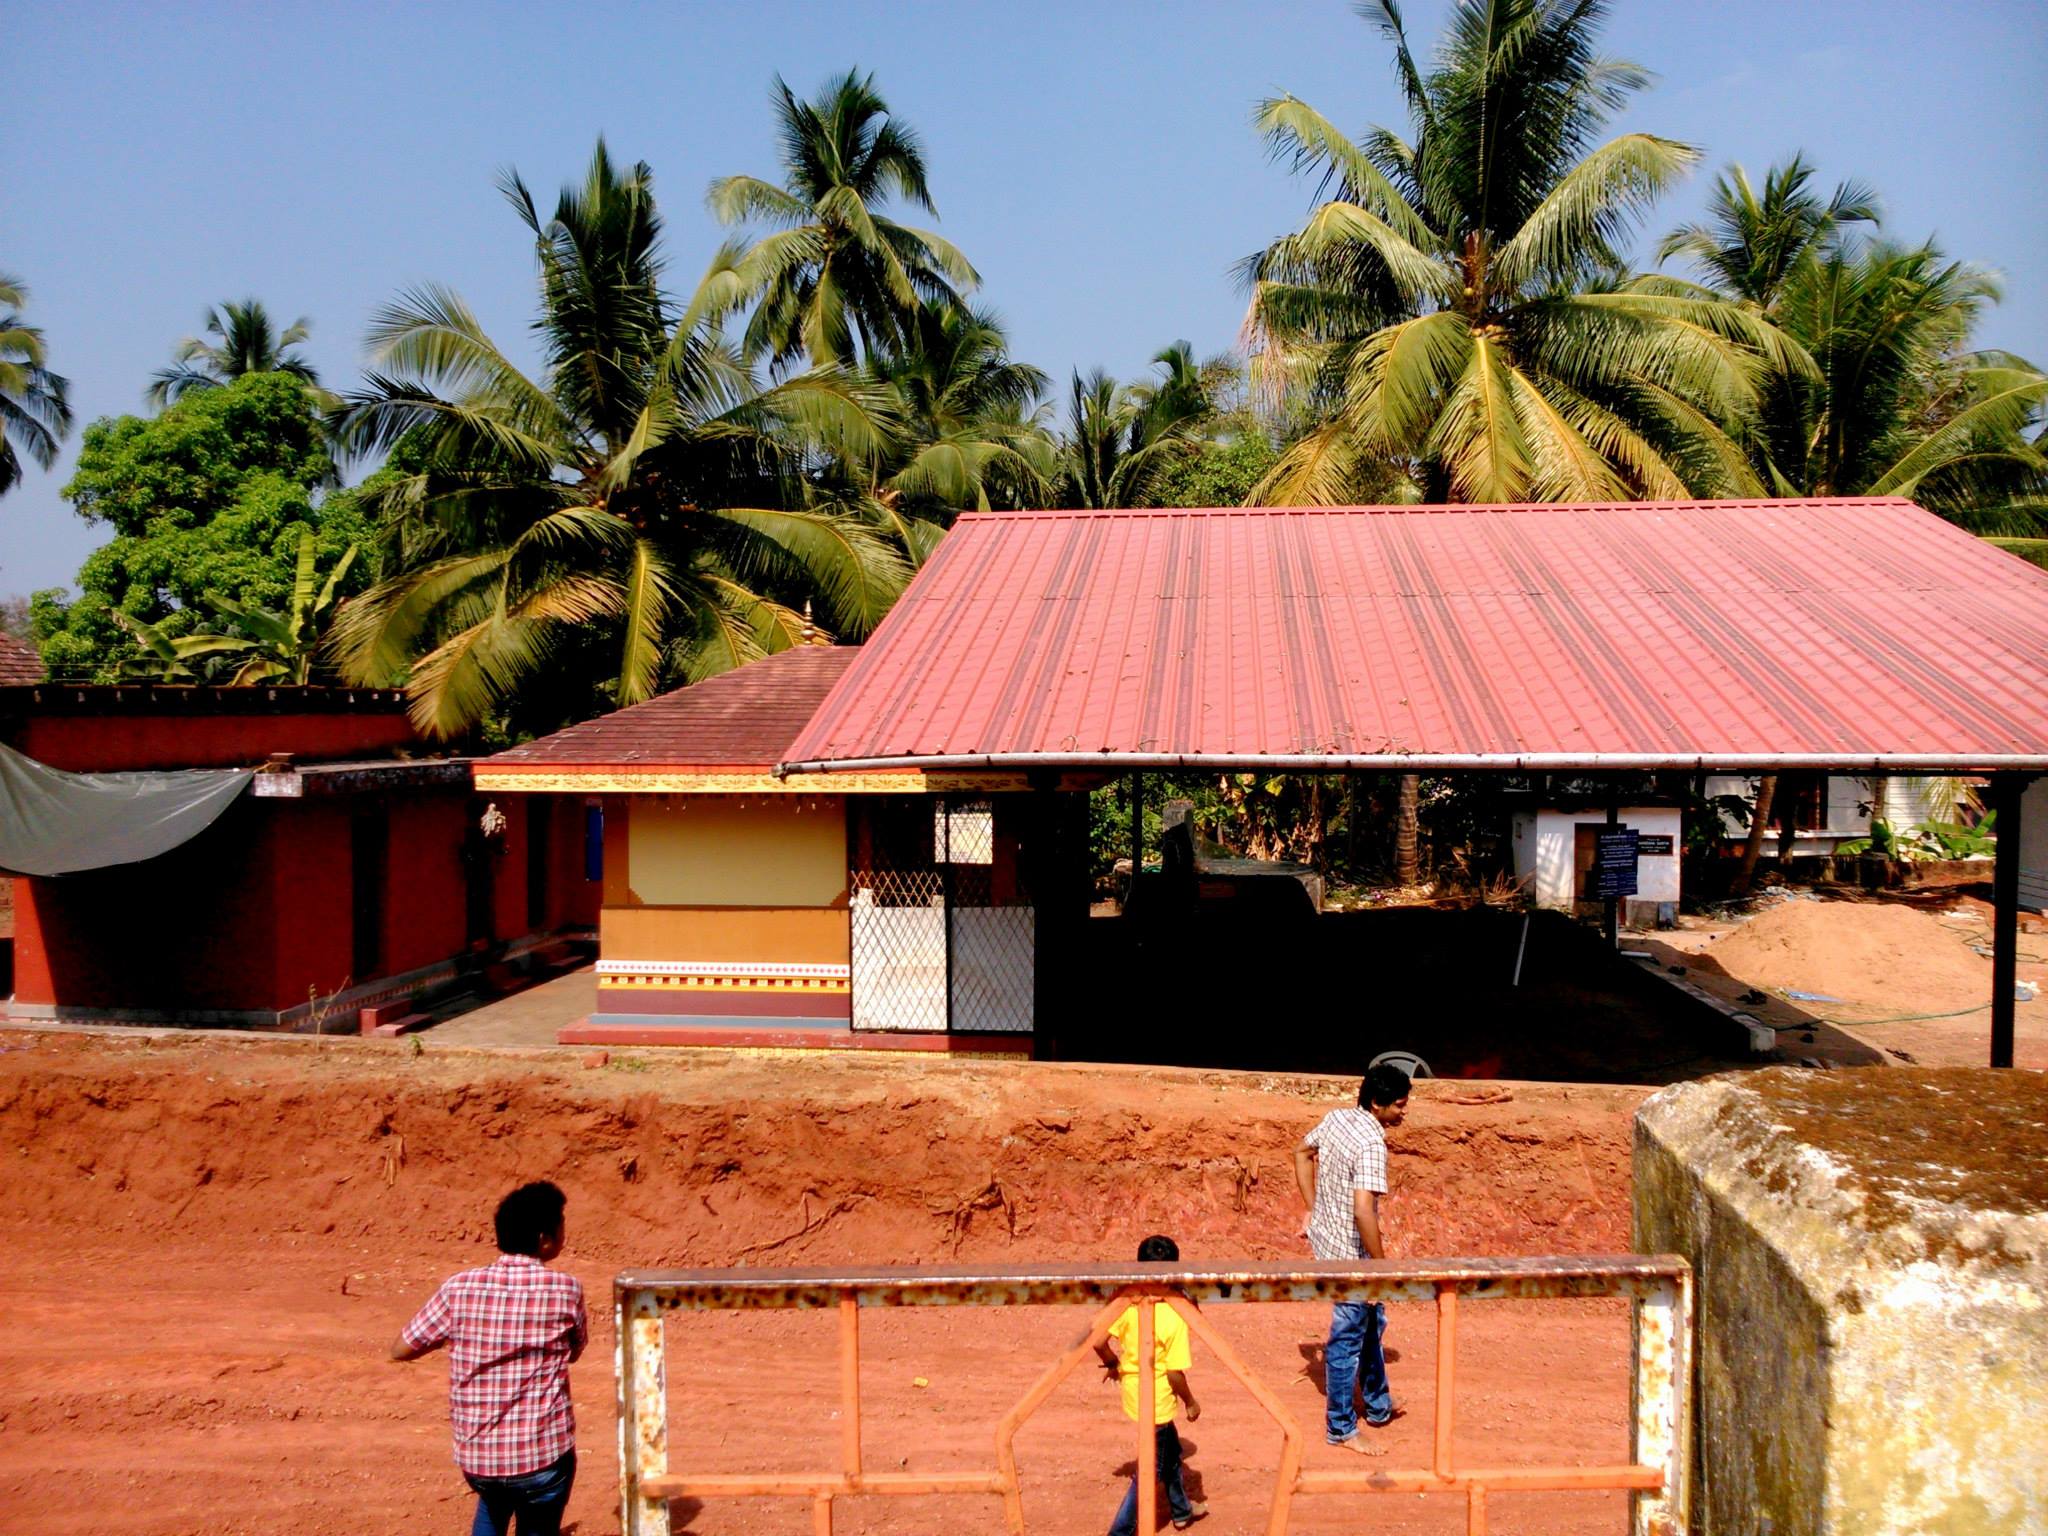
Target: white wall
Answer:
[[1544, 843], [1910, 801]]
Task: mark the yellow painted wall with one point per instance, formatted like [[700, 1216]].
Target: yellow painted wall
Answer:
[[727, 935], [737, 850]]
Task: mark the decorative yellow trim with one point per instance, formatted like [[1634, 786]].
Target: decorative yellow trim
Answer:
[[664, 781]]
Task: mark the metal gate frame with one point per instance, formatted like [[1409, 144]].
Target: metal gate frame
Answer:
[[1658, 1288]]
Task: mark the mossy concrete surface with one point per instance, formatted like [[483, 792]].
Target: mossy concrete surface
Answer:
[[1870, 1250]]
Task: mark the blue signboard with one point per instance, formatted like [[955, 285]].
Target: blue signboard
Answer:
[[1614, 862]]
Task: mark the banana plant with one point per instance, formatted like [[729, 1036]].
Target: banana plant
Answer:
[[273, 647]]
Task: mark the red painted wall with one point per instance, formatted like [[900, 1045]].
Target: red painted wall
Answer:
[[114, 742], [423, 902], [196, 928], [255, 912], [305, 860]]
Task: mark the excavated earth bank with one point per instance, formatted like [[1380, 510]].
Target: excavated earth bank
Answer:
[[206, 1244]]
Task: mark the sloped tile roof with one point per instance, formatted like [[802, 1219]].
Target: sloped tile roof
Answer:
[[742, 719], [19, 662]]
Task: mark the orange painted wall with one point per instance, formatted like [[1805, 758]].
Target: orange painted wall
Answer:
[[728, 935], [767, 930]]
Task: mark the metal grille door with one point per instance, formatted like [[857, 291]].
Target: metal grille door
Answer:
[[944, 935]]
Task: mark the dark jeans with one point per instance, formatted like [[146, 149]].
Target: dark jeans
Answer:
[[1353, 1362], [537, 1499], [1166, 1439]]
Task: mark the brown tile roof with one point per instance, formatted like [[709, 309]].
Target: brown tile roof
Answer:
[[20, 662], [744, 718]]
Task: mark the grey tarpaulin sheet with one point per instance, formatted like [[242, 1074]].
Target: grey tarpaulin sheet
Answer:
[[57, 823]]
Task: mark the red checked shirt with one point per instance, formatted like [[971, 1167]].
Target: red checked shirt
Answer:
[[511, 1329]]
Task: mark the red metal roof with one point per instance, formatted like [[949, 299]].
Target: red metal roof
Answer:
[[1730, 633], [744, 719], [20, 662]]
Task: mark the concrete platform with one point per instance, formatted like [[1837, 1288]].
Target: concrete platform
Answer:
[[533, 1016]]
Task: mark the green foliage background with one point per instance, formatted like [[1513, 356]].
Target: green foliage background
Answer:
[[205, 501]]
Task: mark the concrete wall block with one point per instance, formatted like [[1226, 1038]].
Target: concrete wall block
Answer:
[[1871, 1253]]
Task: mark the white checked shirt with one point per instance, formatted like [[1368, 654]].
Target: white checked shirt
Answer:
[[1351, 1154]]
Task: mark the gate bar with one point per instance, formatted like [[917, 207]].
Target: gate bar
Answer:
[[1660, 1289], [741, 1290]]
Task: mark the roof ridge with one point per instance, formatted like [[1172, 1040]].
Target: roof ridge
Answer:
[[1725, 503]]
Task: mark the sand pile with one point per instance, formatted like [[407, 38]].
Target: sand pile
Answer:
[[1878, 957]]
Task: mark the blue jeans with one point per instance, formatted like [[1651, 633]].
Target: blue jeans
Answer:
[[537, 1498], [1166, 1441], [1353, 1353]]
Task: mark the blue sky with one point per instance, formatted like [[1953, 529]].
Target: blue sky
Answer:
[[1093, 157]]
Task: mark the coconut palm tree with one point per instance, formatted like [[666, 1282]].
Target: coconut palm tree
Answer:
[[632, 515], [1746, 249], [1457, 301], [35, 416], [837, 277], [1120, 438], [245, 341], [1901, 405], [1750, 243], [970, 434], [1896, 402]]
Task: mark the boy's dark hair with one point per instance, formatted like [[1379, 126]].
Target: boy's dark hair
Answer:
[[1384, 1084], [531, 1212], [1158, 1249]]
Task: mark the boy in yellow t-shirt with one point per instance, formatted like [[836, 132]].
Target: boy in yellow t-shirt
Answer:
[[1170, 1348]]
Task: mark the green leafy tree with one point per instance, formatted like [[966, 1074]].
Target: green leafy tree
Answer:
[[35, 416], [632, 516], [1223, 472], [245, 341], [1457, 302], [206, 502], [835, 276], [272, 647]]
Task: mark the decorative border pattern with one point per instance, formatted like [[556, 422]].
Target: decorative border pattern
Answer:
[[723, 976], [722, 968], [721, 984]]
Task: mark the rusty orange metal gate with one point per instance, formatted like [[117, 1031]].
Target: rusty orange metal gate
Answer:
[[1659, 1290]]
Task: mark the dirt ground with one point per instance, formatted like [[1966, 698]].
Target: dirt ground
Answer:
[[207, 1243], [1907, 975]]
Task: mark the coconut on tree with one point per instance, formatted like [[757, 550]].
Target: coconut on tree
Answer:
[[835, 278], [1457, 302]]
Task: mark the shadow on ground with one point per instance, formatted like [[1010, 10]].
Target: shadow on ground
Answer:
[[1327, 993]]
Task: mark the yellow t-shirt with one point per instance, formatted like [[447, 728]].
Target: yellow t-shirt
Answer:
[[1169, 1347]]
